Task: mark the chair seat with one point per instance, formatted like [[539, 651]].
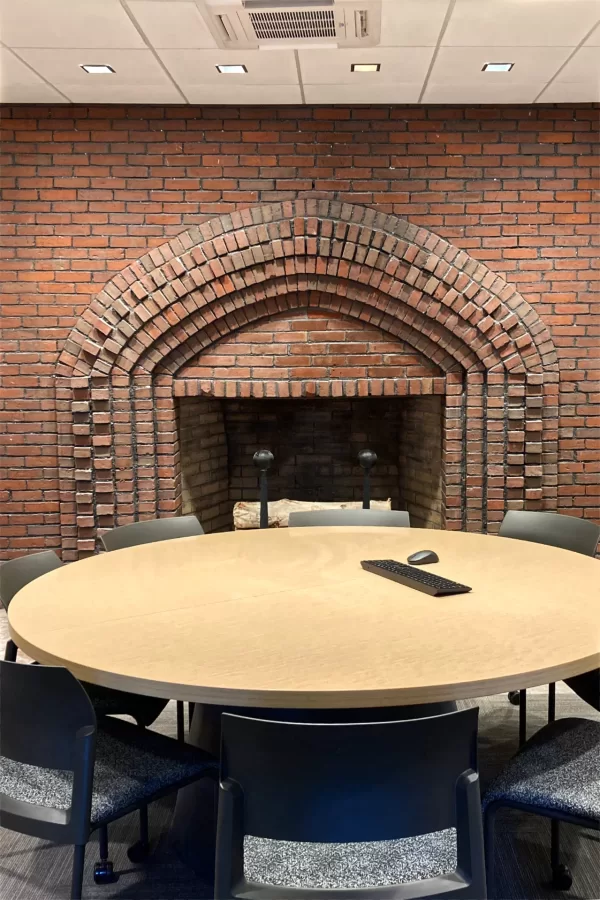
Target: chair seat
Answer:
[[353, 865], [132, 765], [557, 769]]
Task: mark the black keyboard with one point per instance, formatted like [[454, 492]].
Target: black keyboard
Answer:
[[412, 577]]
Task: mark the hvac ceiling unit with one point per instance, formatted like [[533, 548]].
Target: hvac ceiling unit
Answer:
[[243, 24]]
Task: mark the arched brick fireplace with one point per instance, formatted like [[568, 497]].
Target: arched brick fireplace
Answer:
[[169, 326]]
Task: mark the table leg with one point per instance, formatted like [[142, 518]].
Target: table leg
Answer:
[[194, 822]]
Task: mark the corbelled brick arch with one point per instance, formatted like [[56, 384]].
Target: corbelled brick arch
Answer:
[[117, 376]]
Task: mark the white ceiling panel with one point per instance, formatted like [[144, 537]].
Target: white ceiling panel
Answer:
[[571, 92], [122, 93], [64, 67], [461, 65], [29, 93], [404, 64], [14, 71], [200, 66], [525, 23], [584, 66], [236, 94], [362, 93], [172, 24], [412, 23], [67, 23], [481, 93]]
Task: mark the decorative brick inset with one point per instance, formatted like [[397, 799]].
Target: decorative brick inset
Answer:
[[238, 271]]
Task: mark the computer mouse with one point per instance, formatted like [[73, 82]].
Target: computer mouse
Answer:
[[422, 557]]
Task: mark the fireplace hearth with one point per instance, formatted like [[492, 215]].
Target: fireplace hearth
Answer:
[[315, 444]]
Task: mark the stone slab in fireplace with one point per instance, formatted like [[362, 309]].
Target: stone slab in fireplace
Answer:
[[321, 311]]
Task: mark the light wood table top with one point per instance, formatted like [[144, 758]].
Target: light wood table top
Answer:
[[288, 618]]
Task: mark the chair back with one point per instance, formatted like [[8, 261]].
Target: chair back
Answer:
[[375, 517], [553, 529], [349, 782], [16, 573], [151, 531], [47, 722]]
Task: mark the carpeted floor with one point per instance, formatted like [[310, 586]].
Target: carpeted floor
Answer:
[[31, 869]]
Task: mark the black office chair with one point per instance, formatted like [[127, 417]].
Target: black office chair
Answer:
[[62, 775], [150, 532], [414, 781], [16, 574], [568, 533], [324, 517], [555, 774]]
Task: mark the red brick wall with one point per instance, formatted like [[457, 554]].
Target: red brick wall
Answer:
[[87, 190]]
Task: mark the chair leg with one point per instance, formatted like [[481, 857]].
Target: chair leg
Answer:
[[180, 722], [77, 877], [138, 852], [10, 653], [103, 870], [551, 702], [561, 875], [489, 822], [191, 707], [522, 717]]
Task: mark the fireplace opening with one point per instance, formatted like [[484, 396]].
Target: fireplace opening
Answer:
[[315, 444]]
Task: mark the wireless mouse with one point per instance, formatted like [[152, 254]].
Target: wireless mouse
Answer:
[[422, 557]]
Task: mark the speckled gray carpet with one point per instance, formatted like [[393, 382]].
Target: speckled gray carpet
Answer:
[[36, 870]]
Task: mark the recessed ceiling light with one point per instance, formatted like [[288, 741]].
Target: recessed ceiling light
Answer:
[[497, 67], [98, 70], [232, 70], [365, 67]]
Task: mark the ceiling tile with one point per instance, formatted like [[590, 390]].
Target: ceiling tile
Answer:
[[29, 93], [64, 66], [236, 94], [167, 24], [406, 64], [584, 66], [412, 23], [121, 93], [362, 93], [526, 23], [200, 66], [571, 92], [14, 71], [460, 65], [470, 92], [67, 23]]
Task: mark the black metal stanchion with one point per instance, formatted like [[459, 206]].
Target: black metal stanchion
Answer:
[[367, 459], [263, 460]]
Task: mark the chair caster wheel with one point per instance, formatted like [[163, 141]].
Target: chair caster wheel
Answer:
[[562, 879], [138, 852], [103, 872], [514, 698]]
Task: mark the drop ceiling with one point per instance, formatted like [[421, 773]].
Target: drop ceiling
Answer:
[[429, 51]]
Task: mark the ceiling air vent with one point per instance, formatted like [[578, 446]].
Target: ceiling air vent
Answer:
[[298, 25], [246, 24]]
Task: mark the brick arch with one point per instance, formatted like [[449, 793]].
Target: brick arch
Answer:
[[115, 376]]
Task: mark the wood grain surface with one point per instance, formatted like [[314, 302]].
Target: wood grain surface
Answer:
[[287, 618]]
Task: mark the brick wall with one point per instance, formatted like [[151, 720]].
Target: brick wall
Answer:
[[203, 462], [86, 190], [420, 461]]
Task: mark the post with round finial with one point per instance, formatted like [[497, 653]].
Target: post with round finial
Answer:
[[263, 460], [367, 459]]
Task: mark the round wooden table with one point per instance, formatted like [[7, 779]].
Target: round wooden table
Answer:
[[288, 618]]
